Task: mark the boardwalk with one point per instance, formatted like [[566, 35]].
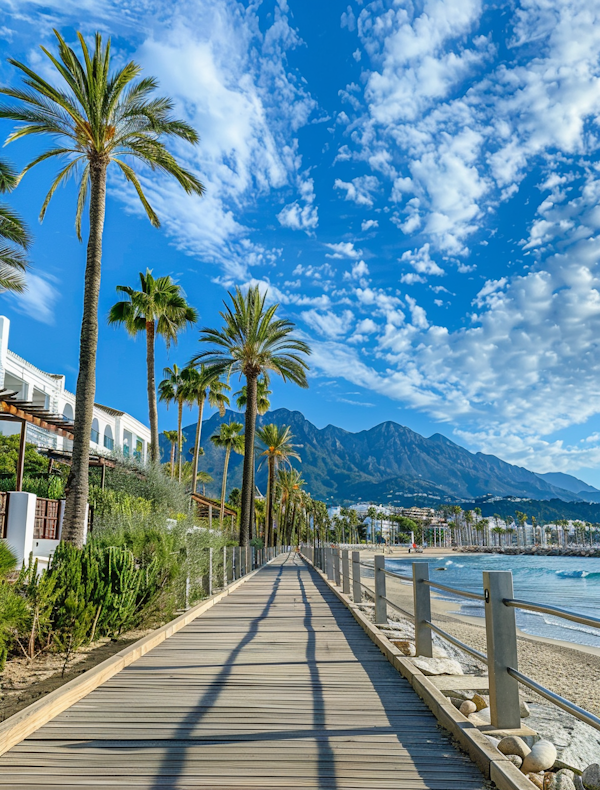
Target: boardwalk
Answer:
[[275, 687]]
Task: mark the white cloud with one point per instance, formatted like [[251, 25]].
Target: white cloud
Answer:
[[360, 272], [422, 264], [298, 217], [343, 249], [330, 325], [368, 224], [39, 300], [360, 190]]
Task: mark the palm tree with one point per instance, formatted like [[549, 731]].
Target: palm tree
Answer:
[[200, 385], [172, 389], [96, 117], [262, 406], [158, 308], [278, 451], [173, 437], [228, 438], [14, 237], [289, 483], [253, 342], [205, 479], [262, 396]]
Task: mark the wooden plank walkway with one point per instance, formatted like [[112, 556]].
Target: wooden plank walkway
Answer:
[[276, 686]]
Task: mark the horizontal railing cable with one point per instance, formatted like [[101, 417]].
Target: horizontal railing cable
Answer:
[[399, 608], [570, 707], [594, 622], [462, 593], [470, 650], [398, 576]]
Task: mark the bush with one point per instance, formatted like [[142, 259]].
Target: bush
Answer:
[[53, 488], [14, 614]]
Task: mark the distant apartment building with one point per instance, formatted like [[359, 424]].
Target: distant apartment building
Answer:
[[112, 429]]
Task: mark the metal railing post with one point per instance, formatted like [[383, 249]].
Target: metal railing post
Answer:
[[422, 608], [345, 572], [380, 603], [336, 566], [329, 562], [356, 588], [501, 632]]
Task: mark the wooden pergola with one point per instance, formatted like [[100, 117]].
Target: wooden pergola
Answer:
[[205, 506], [12, 409], [96, 462]]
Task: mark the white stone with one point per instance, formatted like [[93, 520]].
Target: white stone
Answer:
[[540, 758], [439, 652], [468, 707], [512, 744], [577, 744], [562, 780], [515, 759], [437, 666]]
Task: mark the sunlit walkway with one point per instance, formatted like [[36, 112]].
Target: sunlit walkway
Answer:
[[276, 686]]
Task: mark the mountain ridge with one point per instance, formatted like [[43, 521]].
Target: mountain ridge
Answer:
[[388, 462]]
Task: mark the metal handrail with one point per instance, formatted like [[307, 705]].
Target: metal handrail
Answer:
[[570, 707], [463, 593], [471, 650], [399, 608], [594, 622], [398, 576]]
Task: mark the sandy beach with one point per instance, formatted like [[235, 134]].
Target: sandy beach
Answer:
[[569, 670]]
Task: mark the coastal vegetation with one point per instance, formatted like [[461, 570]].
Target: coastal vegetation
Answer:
[[14, 237]]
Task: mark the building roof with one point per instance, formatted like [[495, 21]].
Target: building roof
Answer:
[[109, 410]]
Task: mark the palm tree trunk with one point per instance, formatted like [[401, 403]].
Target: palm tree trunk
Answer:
[[77, 487], [270, 491], [172, 460], [179, 437], [247, 479], [197, 446], [152, 407], [224, 487]]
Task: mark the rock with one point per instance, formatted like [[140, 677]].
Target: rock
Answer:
[[578, 783], [591, 777], [515, 759], [467, 707], [480, 701], [483, 715], [540, 758], [512, 744], [493, 741], [404, 646], [461, 694], [537, 779], [456, 702], [439, 652], [437, 666], [577, 744], [524, 709], [562, 780]]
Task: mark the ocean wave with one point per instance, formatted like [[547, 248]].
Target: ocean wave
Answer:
[[579, 574], [557, 622]]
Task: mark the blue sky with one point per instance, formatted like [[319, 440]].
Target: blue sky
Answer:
[[416, 183]]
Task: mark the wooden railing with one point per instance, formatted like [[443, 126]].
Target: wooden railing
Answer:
[[47, 519], [3, 513]]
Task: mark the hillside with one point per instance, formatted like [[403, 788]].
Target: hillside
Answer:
[[387, 463]]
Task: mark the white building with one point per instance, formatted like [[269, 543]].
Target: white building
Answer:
[[111, 429]]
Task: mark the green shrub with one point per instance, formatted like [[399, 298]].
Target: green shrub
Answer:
[[14, 614]]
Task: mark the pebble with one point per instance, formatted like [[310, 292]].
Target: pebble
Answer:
[[515, 759], [541, 758], [562, 780], [512, 744], [480, 701], [456, 702], [467, 707], [537, 779], [591, 777]]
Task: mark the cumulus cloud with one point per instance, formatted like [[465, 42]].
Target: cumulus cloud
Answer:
[[343, 249], [301, 217], [360, 190], [368, 224]]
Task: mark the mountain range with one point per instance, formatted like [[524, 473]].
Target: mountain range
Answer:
[[387, 463]]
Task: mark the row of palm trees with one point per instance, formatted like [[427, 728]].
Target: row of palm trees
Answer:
[[100, 119]]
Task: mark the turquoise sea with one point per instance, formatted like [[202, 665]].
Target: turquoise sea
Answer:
[[569, 582]]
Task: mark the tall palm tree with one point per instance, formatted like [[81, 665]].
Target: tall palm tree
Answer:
[[95, 117], [158, 308], [253, 342], [172, 389], [204, 478], [228, 438], [173, 437], [262, 396], [200, 385], [262, 407], [14, 237], [278, 451], [289, 484]]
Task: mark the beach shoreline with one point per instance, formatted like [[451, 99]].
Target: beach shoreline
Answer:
[[566, 668]]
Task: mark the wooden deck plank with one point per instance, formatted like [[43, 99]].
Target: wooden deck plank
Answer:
[[274, 687]]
